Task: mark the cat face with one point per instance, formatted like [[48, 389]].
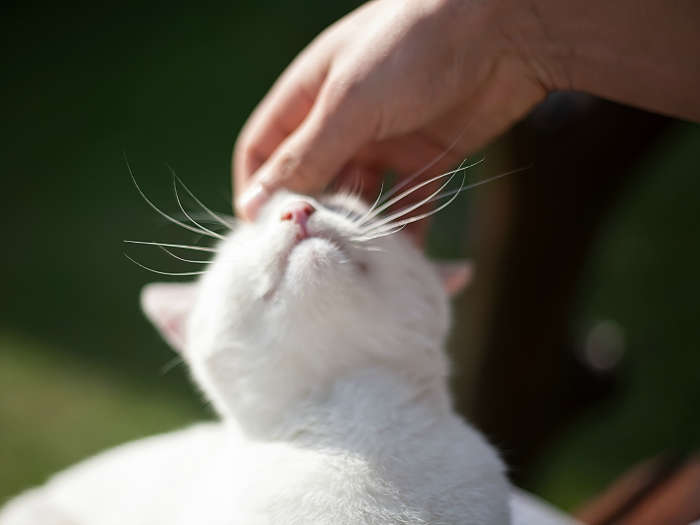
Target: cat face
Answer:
[[301, 269], [308, 291]]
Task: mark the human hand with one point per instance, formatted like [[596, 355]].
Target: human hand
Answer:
[[393, 85]]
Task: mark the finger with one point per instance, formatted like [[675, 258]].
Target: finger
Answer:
[[291, 98], [309, 158], [281, 111]]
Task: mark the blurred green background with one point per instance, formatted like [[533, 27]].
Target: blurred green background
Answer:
[[80, 369]]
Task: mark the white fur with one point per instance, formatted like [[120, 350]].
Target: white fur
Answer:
[[325, 363]]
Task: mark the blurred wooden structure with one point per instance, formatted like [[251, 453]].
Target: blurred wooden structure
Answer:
[[534, 234], [660, 491]]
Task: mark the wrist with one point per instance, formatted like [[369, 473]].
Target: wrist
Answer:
[[534, 34], [636, 52], [516, 29]]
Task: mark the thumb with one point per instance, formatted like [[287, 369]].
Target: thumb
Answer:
[[310, 157]]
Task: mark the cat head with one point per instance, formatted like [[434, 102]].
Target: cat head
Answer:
[[313, 289]]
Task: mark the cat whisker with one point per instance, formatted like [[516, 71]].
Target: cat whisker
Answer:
[[371, 248], [212, 214], [479, 183], [159, 272], [436, 196], [203, 218], [374, 205], [161, 212], [182, 208], [168, 245], [415, 188], [409, 209], [420, 217], [175, 361], [357, 187], [386, 233], [425, 168], [182, 258]]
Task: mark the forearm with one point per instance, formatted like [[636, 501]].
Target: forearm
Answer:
[[644, 53]]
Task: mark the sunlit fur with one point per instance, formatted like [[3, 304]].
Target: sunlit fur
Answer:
[[277, 322], [324, 360]]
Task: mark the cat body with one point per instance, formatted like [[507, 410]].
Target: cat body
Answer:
[[211, 474], [317, 336]]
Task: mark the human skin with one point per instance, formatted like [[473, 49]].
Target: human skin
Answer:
[[398, 85]]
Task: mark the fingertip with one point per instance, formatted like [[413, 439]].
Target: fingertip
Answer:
[[251, 200]]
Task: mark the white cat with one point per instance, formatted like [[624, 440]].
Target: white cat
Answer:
[[318, 340]]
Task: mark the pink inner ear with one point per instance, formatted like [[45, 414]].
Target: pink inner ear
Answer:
[[455, 276], [168, 305], [174, 332]]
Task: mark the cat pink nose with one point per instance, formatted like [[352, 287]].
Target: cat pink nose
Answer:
[[299, 212]]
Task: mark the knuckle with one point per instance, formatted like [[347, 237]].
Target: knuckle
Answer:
[[340, 91], [295, 170], [287, 165]]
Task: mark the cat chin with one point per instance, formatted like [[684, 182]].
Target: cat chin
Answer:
[[314, 258], [315, 264]]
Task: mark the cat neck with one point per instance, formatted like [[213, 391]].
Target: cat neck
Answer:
[[364, 401], [369, 402]]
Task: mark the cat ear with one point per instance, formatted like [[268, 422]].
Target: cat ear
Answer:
[[455, 275], [168, 306]]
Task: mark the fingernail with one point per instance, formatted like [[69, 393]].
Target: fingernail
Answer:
[[252, 199]]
